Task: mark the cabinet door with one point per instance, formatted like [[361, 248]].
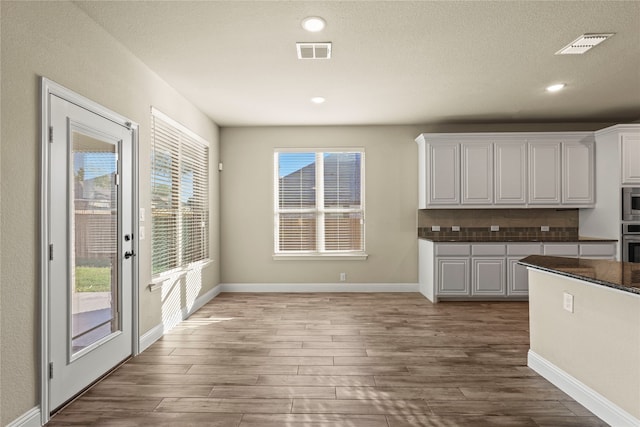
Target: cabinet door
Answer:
[[453, 276], [517, 278], [444, 174], [630, 152], [488, 276], [477, 173], [510, 171], [544, 173], [578, 174]]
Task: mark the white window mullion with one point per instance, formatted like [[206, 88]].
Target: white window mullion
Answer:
[[320, 201]]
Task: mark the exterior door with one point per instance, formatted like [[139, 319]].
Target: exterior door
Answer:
[[90, 237]]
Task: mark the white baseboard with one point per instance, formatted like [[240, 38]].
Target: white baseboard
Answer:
[[201, 301], [31, 418], [320, 287], [151, 336], [155, 333], [602, 407]]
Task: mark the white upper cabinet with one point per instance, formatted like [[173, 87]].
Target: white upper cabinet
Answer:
[[630, 154], [544, 173], [477, 173], [578, 163], [510, 172], [443, 174]]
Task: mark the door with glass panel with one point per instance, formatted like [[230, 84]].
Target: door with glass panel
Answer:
[[91, 248]]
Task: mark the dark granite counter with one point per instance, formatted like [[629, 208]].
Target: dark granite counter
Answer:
[[624, 276], [513, 239]]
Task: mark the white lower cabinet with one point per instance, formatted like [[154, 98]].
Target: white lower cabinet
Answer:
[[490, 270], [488, 277], [453, 276], [517, 275], [517, 278]]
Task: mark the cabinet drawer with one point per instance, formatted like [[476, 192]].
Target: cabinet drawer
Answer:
[[482, 250], [597, 249], [525, 249], [561, 250], [452, 250]]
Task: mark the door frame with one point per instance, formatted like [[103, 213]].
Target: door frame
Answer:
[[49, 88]]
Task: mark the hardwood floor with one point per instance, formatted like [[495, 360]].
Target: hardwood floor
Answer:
[[388, 360]]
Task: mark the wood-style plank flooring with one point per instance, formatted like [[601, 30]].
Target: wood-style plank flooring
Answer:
[[370, 360]]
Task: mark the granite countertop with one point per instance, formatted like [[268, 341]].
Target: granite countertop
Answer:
[[624, 276], [502, 239]]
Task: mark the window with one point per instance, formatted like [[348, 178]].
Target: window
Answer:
[[319, 208], [180, 195]]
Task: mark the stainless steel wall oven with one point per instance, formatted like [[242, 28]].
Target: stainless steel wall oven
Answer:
[[631, 204]]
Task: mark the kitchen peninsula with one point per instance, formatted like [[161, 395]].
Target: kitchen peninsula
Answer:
[[584, 319]]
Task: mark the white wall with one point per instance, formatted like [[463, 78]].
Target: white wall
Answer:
[[58, 41], [390, 198], [598, 344]]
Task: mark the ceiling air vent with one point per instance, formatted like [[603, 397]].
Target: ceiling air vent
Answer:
[[313, 50], [583, 44]]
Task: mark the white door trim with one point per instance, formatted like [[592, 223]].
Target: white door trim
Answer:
[[48, 88]]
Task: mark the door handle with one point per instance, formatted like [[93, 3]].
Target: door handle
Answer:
[[129, 254]]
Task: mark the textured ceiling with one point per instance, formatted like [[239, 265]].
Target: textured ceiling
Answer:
[[395, 62]]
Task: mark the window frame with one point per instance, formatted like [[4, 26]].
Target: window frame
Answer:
[[181, 265], [320, 253]]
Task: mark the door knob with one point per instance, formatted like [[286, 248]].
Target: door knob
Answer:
[[129, 254]]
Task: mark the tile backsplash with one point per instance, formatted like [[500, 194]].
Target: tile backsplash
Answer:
[[476, 224]]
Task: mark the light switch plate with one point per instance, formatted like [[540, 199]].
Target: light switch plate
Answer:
[[141, 233], [142, 214]]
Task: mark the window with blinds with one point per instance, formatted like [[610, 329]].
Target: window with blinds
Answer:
[[319, 203], [180, 189]]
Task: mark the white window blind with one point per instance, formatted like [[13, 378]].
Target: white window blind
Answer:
[[318, 199], [180, 189]]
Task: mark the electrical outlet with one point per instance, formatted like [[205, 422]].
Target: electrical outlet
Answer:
[[544, 228], [567, 302], [142, 214], [435, 228], [343, 277], [455, 228], [495, 228]]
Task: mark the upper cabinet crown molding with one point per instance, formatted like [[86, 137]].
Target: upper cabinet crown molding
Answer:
[[506, 170]]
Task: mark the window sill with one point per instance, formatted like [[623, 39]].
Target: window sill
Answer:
[[157, 282], [321, 257]]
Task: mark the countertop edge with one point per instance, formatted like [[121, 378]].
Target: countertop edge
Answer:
[[623, 288], [579, 240]]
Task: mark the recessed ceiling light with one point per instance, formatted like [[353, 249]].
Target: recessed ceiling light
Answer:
[[556, 87], [318, 100], [313, 24]]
